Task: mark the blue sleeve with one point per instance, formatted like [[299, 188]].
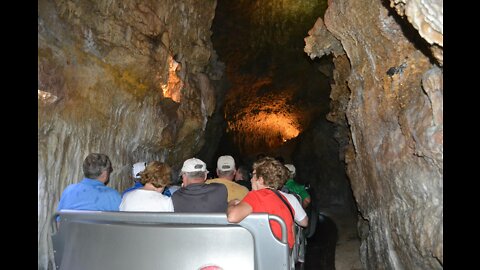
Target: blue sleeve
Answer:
[[61, 203], [116, 200]]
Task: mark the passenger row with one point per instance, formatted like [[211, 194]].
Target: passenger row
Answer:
[[152, 191]]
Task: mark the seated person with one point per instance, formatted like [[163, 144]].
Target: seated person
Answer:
[[292, 186], [170, 190], [242, 177], [195, 195], [268, 175], [226, 173], [172, 187], [149, 198], [137, 168], [92, 192], [300, 216]]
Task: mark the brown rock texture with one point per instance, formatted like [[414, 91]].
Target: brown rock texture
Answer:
[[105, 86], [393, 108]]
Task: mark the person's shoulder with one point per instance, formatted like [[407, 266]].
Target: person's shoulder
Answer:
[[287, 195], [214, 183], [179, 189], [176, 193], [291, 198], [240, 187], [258, 192], [71, 186], [217, 180], [113, 191], [213, 180], [254, 196], [130, 193], [164, 197], [217, 186], [128, 190], [290, 182]]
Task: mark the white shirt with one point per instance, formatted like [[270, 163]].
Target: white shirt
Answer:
[[300, 213], [146, 200]]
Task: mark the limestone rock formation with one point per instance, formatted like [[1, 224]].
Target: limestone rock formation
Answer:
[[134, 80], [139, 80], [393, 109]]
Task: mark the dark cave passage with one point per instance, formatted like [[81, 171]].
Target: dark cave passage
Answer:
[[276, 103], [276, 99], [320, 252]]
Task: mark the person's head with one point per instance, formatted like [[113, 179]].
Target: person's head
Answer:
[[157, 173], [242, 173], [291, 169], [226, 167], [193, 170], [137, 168], [269, 172], [97, 166]]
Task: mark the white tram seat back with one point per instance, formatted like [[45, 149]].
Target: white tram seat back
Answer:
[[99, 240]]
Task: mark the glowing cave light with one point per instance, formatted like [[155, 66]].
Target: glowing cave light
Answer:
[[265, 129], [174, 83], [46, 97]]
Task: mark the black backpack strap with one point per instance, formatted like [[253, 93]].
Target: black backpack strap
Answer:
[[283, 200]]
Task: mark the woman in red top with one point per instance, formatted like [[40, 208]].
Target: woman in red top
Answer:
[[268, 175]]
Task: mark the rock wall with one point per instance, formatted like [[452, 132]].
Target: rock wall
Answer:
[[389, 98], [106, 84]]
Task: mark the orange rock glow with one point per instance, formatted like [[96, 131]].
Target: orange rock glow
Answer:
[[264, 129], [174, 83]]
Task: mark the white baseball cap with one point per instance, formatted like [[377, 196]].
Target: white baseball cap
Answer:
[[291, 168], [138, 168], [226, 163], [194, 165]]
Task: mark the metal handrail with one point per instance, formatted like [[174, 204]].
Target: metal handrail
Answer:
[[280, 221]]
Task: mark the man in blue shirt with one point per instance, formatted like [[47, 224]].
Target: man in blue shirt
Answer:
[[92, 193]]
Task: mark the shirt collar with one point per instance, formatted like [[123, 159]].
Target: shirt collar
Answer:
[[92, 182], [195, 186]]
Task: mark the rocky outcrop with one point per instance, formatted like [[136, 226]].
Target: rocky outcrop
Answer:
[[390, 98], [134, 80]]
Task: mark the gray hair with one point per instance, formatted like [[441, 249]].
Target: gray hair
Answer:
[[95, 163], [195, 174], [225, 173]]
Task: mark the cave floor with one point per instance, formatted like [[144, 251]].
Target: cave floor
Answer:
[[335, 244], [347, 253]]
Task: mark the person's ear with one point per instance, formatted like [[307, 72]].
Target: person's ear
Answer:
[[184, 179], [260, 180], [104, 176]]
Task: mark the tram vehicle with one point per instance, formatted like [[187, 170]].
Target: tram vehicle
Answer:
[[102, 240]]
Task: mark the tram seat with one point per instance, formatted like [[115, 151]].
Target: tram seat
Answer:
[[100, 240]]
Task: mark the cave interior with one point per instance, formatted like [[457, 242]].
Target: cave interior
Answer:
[[350, 92]]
